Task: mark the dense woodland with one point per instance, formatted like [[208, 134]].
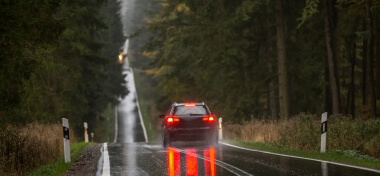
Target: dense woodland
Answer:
[[268, 58], [59, 60], [245, 58]]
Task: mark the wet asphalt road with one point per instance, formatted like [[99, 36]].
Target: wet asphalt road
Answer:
[[184, 159], [130, 155]]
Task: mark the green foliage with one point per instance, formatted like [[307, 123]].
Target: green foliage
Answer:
[[343, 134], [104, 129], [310, 9], [303, 132], [59, 59], [224, 53], [145, 91], [221, 56], [59, 167]]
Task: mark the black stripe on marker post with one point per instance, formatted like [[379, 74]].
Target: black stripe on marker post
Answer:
[[66, 133], [324, 127]]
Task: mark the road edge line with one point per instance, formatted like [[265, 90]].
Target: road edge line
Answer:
[[138, 106], [106, 161], [298, 157], [116, 124], [217, 162]]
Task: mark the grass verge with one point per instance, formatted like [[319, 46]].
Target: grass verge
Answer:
[[144, 90], [302, 132], [340, 156], [59, 167], [27, 147]]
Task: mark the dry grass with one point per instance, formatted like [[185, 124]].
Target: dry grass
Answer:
[[302, 132], [255, 130], [22, 149]]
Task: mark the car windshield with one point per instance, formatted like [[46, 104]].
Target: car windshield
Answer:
[[190, 110]]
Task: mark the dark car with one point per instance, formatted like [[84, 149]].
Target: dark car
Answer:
[[189, 122]]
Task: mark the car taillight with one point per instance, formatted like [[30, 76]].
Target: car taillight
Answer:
[[171, 120], [208, 119]]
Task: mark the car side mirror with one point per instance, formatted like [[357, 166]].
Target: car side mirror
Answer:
[[161, 116]]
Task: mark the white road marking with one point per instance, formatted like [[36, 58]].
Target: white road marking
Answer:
[[100, 163], [330, 162], [219, 163], [106, 161], [138, 107], [116, 125]]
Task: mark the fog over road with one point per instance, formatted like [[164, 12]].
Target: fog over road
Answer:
[[131, 155]]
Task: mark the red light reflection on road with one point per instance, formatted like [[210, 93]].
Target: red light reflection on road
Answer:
[[209, 165], [191, 162], [174, 162]]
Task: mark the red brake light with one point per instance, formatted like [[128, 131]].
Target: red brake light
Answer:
[[208, 119], [189, 105], [171, 120]]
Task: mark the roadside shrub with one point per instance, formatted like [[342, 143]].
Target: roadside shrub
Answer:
[[360, 135], [302, 132], [23, 149]]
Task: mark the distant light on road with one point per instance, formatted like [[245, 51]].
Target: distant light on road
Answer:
[[121, 58]]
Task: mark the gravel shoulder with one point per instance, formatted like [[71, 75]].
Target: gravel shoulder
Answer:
[[86, 163]]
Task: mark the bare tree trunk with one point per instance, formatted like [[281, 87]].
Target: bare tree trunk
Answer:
[[281, 56], [331, 54], [328, 104], [272, 94], [377, 56], [351, 92], [273, 100], [364, 78], [370, 46]]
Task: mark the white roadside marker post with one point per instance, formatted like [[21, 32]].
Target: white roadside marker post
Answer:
[[92, 137], [66, 140], [220, 129], [323, 132], [85, 132]]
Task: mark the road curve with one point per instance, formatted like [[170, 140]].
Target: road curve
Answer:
[[130, 127]]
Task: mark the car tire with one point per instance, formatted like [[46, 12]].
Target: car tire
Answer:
[[166, 141]]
